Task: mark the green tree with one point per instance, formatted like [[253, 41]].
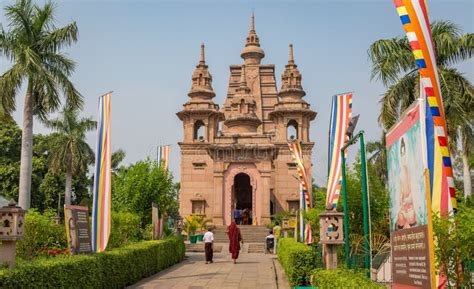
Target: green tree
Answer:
[[70, 152], [379, 200], [393, 63], [33, 44], [135, 187]]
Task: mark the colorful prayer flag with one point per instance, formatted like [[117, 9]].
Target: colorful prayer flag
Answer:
[[305, 197], [414, 16], [102, 180], [341, 113], [164, 155]]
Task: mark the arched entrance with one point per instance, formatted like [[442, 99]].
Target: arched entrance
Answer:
[[242, 197], [242, 188]]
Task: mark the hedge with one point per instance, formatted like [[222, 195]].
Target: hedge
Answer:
[[343, 278], [297, 259], [116, 268]]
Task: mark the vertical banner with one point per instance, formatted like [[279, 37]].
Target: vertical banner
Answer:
[[305, 197], [102, 179], [158, 220], [410, 223], [78, 230], [163, 155], [341, 113], [414, 17]]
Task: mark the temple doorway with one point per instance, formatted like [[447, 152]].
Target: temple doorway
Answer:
[[243, 203]]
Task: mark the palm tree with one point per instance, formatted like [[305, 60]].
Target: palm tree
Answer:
[[33, 45], [69, 152], [393, 63]]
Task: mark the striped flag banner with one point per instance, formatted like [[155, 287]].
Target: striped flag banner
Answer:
[[341, 113], [163, 155], [102, 179], [305, 197], [414, 17]]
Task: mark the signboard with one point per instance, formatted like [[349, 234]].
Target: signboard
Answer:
[[78, 229], [410, 217]]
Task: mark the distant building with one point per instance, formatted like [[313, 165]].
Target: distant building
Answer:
[[237, 156]]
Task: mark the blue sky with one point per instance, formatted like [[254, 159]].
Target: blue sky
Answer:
[[146, 51]]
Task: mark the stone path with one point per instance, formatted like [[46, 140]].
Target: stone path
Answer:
[[253, 270]]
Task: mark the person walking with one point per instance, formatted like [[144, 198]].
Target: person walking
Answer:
[[208, 240], [235, 237], [277, 234]]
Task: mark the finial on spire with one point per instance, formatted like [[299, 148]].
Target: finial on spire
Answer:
[[290, 54], [201, 58], [252, 22]]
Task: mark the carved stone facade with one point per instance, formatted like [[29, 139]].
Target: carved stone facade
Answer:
[[237, 156]]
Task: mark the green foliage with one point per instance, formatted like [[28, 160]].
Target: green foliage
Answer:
[[124, 230], [190, 225], [379, 200], [278, 218], [40, 234], [46, 187], [297, 259], [140, 184], [341, 278], [455, 239], [110, 269]]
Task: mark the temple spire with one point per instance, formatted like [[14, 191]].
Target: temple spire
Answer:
[[291, 59], [291, 79], [201, 87], [201, 58], [252, 23], [252, 53], [243, 88]]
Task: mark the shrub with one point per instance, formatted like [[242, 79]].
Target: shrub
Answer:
[[125, 229], [41, 234], [343, 278], [110, 269], [297, 259]]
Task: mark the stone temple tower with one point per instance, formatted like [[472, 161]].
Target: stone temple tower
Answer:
[[237, 157]]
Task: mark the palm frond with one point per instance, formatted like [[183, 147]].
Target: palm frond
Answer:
[[397, 98], [60, 38], [10, 83], [390, 57]]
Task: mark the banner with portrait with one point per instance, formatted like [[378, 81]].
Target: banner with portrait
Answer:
[[78, 230], [410, 217]]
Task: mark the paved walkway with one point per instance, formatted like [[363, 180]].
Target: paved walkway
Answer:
[[253, 270]]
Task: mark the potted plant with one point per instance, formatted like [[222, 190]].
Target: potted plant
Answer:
[[190, 227], [202, 225]]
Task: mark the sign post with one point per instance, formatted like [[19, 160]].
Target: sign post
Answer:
[[78, 230]]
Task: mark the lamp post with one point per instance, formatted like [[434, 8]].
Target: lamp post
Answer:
[[365, 208]]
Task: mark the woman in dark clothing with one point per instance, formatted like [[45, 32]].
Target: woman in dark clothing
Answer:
[[234, 240]]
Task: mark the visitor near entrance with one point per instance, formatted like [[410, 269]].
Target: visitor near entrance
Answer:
[[208, 240], [277, 234], [235, 237], [270, 242]]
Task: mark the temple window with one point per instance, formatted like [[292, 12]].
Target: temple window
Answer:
[[292, 130], [199, 130]]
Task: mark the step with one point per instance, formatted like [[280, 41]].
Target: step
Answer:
[[199, 247]]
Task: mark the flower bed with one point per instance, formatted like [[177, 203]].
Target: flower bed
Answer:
[[116, 268]]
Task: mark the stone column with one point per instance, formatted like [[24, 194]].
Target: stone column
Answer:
[[265, 173], [218, 210]]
